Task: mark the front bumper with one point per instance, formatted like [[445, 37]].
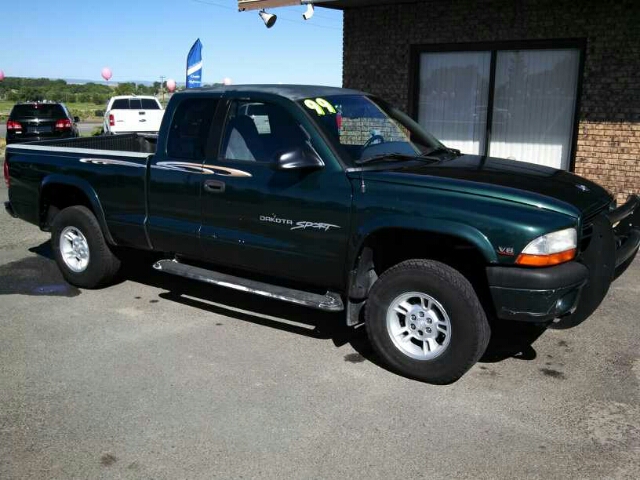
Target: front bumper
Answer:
[[571, 291], [536, 295]]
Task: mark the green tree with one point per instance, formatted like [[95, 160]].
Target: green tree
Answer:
[[126, 88]]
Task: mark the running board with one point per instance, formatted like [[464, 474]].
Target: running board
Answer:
[[330, 302]]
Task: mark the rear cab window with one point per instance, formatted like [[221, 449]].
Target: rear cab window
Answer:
[[136, 104], [37, 110], [120, 104], [150, 104]]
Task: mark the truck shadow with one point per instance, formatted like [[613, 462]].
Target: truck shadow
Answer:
[[35, 276], [508, 339]]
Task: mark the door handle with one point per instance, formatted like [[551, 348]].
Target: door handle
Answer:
[[214, 186]]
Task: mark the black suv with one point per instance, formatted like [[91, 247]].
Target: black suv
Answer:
[[33, 121]]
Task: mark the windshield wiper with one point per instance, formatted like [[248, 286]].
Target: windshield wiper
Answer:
[[444, 149], [384, 156], [394, 156]]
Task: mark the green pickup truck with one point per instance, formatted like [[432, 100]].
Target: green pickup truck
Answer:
[[336, 200]]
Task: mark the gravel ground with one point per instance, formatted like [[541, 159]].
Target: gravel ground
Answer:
[[158, 377]]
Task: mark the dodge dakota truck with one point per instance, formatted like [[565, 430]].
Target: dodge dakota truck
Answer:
[[336, 200]]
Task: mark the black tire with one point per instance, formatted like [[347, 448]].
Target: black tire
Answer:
[[470, 330], [103, 264]]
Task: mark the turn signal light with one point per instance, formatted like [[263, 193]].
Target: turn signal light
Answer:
[[529, 260], [112, 120]]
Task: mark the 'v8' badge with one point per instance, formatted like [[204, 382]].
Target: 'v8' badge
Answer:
[[506, 251]]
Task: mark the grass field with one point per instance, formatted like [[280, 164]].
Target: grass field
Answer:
[[86, 111]]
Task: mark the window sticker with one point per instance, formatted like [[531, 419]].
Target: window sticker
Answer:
[[319, 105]]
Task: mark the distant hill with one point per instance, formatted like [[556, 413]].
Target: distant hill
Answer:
[[82, 81]]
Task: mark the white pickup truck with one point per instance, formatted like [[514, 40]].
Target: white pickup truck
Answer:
[[132, 114]]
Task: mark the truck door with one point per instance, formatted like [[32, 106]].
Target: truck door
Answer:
[[176, 178], [292, 224]]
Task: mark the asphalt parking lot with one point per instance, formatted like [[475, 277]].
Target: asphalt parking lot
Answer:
[[158, 377]]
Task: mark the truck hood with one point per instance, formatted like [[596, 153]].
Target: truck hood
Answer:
[[520, 182]]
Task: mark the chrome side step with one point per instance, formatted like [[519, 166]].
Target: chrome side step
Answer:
[[330, 302]]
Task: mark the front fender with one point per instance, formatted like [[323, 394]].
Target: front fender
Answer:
[[86, 188], [435, 225]]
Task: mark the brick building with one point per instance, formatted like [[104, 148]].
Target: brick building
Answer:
[[548, 81]]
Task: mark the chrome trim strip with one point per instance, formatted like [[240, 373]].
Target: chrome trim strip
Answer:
[[83, 151], [188, 167], [108, 161]]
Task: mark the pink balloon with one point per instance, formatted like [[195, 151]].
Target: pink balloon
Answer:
[[1, 75], [171, 85], [107, 73]]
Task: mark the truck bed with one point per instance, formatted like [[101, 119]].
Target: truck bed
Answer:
[[133, 142], [109, 168]]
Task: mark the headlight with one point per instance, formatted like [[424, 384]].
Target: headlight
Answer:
[[550, 249]]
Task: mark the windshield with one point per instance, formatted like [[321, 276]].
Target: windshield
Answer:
[[362, 128]]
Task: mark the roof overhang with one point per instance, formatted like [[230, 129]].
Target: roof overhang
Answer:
[[336, 4], [347, 4], [260, 4]]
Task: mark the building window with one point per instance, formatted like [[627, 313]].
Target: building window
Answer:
[[517, 104]]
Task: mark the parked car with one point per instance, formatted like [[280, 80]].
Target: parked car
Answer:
[[32, 121], [336, 200], [132, 114]]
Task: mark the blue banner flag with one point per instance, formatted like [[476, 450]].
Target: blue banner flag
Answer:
[[194, 66]]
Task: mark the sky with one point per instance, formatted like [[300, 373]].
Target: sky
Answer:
[[143, 40]]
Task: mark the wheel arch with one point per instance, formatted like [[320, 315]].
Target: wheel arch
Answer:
[[61, 191], [460, 246], [438, 230]]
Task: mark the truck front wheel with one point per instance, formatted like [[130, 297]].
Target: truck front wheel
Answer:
[[425, 320], [80, 249]]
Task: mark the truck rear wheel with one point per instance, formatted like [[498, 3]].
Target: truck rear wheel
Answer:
[[425, 320], [80, 249]]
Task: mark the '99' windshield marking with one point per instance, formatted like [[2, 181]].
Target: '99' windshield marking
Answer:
[[319, 105]]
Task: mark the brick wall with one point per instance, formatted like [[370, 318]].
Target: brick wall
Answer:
[[377, 43], [360, 130]]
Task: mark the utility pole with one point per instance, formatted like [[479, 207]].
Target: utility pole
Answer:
[[162, 77]]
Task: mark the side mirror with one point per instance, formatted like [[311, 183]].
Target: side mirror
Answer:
[[76, 119], [298, 159]]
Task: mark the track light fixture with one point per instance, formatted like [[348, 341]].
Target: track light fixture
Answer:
[[269, 19], [309, 13]]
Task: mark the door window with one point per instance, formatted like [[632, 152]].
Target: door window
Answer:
[[189, 130], [257, 132]]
